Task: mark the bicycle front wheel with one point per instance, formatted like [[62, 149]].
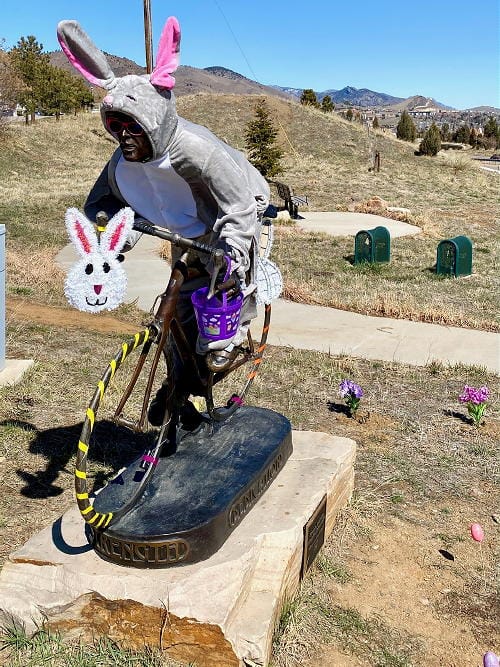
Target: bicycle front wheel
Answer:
[[113, 435]]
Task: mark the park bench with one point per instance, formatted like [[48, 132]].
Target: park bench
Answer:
[[291, 201]]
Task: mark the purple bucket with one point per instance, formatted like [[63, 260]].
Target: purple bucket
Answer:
[[217, 318]]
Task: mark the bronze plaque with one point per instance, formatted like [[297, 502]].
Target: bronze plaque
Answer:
[[314, 536]]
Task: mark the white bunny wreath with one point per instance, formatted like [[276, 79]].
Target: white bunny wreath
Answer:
[[97, 281]]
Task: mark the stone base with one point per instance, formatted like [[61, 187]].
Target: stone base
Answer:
[[220, 612], [14, 370]]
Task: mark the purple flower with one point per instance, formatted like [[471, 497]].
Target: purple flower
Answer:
[[350, 388], [476, 401], [473, 395]]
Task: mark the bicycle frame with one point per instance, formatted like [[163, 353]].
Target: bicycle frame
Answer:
[[164, 322]]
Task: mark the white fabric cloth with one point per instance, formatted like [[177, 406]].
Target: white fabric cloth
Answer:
[[157, 192]]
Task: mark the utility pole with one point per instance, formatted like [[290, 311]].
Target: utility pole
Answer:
[[148, 36]]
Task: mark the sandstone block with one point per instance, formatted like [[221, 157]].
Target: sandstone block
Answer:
[[219, 612]]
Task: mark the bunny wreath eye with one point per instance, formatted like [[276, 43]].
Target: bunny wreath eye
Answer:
[[106, 267], [89, 269]]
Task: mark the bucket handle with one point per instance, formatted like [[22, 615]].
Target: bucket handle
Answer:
[[226, 277], [227, 260]]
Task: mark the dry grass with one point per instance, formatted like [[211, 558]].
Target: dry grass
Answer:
[[319, 269], [326, 158], [417, 455], [39, 269], [45, 648], [422, 469]]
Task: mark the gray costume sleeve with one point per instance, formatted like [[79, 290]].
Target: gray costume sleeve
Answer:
[[101, 197], [236, 223]]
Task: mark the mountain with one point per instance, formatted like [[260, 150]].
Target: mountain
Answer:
[[420, 102], [217, 79], [188, 80], [120, 66], [484, 109], [363, 97]]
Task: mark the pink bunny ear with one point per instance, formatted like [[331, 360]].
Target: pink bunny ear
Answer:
[[81, 232], [117, 230], [167, 59], [84, 55]]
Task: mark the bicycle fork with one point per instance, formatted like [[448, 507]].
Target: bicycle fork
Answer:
[[159, 328]]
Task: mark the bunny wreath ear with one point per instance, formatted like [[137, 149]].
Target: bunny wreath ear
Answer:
[[118, 228], [84, 55], [167, 60], [81, 232]]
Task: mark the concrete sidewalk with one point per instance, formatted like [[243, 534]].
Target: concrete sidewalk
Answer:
[[340, 223], [327, 329], [382, 338]]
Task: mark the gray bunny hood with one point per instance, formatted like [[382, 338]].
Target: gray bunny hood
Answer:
[[148, 98], [152, 108]]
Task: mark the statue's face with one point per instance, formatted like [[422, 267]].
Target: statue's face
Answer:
[[133, 141]]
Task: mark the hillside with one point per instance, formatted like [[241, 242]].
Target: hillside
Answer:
[[188, 80], [327, 158], [399, 583]]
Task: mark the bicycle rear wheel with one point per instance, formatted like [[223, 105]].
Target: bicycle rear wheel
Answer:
[[227, 391]]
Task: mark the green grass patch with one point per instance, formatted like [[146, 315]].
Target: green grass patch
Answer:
[[47, 648]]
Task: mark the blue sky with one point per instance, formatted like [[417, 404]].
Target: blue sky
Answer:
[[439, 48]]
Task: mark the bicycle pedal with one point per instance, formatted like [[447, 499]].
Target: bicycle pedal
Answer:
[[129, 423]]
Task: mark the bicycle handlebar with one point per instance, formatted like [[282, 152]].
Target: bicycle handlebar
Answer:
[[153, 230]]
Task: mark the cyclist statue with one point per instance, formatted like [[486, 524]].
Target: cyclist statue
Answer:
[[177, 175]]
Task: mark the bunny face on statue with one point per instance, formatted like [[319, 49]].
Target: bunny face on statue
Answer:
[[148, 98], [97, 281]]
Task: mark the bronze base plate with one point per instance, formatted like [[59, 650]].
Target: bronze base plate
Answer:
[[196, 496]]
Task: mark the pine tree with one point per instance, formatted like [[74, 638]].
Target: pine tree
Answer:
[[431, 143], [260, 138], [327, 105], [63, 92], [491, 132], [491, 127], [462, 135], [31, 65], [406, 129], [308, 97], [375, 123], [445, 132]]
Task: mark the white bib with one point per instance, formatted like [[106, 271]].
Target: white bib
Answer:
[[156, 192]]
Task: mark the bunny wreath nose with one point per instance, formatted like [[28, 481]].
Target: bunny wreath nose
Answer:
[[97, 289]]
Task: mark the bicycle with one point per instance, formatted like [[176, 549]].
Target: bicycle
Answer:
[[162, 328]]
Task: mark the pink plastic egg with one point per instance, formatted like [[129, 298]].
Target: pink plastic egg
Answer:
[[477, 532], [490, 659]]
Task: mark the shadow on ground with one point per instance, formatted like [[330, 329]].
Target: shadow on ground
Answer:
[[110, 445]]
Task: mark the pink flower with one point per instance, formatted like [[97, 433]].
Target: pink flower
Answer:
[[476, 401], [473, 395]]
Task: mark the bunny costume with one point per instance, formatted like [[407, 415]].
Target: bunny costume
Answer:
[[193, 183]]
